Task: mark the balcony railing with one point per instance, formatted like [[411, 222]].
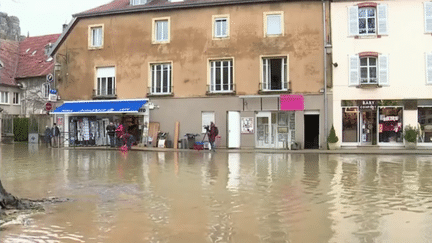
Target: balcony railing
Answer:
[[104, 94]]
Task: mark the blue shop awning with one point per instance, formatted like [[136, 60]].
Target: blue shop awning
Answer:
[[105, 106]]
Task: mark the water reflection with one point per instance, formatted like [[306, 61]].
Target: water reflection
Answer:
[[219, 197]]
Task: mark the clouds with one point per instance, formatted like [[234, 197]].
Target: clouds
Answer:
[[45, 17]]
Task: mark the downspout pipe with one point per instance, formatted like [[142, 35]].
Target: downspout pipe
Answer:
[[325, 71]]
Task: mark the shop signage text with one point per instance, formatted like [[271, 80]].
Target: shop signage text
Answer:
[[368, 104]]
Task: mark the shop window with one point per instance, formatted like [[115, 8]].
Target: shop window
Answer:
[[275, 74], [350, 125], [161, 78], [367, 19], [425, 124], [390, 125], [221, 76], [106, 82]]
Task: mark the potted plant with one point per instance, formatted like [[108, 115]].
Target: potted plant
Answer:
[[410, 135], [332, 139]]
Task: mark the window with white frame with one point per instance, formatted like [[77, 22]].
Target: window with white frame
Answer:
[[106, 83], [16, 98], [206, 118], [45, 90], [220, 25], [368, 19], [429, 68], [273, 23], [275, 73], [138, 2], [161, 30], [368, 69], [96, 36], [221, 76], [161, 78], [428, 16], [4, 97]]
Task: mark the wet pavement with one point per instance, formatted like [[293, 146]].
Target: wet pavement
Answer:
[[227, 196]]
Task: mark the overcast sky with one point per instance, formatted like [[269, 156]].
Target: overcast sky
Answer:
[[44, 17]]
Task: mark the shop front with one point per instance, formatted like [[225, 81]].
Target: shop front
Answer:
[[84, 122], [372, 122]]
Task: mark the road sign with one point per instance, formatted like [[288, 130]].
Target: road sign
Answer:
[[48, 106], [49, 77]]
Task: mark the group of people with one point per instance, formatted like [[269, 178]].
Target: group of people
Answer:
[[119, 137], [52, 135]]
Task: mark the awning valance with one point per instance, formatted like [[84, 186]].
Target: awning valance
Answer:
[[100, 106]]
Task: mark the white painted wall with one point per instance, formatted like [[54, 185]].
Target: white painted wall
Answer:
[[406, 45]]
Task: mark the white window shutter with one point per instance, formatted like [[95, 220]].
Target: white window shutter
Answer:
[[354, 73], [383, 66], [353, 25], [429, 68], [428, 16], [382, 19]]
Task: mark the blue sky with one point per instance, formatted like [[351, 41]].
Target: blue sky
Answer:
[[44, 17]]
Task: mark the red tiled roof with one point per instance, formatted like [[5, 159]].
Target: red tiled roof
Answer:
[[9, 60], [32, 59]]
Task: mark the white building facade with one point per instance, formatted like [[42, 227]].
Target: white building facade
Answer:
[[382, 71]]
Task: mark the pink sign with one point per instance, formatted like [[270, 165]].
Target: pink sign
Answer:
[[291, 102]]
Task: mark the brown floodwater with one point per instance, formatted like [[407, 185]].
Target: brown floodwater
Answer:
[[218, 197]]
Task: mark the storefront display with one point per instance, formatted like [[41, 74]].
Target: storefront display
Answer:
[[390, 125], [425, 124], [350, 124]]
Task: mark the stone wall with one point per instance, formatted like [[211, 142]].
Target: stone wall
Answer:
[[9, 27]]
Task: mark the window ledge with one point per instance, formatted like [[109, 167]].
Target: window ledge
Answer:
[[214, 93], [275, 91], [160, 95], [367, 36], [104, 97], [160, 42], [221, 37], [95, 47], [368, 86]]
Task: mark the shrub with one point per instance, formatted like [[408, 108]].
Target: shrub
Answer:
[[410, 134], [20, 129], [332, 138]]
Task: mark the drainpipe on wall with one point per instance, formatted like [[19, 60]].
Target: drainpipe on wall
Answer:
[[325, 72]]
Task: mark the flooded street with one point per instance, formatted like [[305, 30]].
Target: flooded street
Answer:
[[218, 197]]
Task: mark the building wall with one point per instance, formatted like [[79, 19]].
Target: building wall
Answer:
[[10, 108], [32, 98], [407, 73], [128, 46]]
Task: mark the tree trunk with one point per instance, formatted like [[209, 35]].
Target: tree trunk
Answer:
[[8, 201]]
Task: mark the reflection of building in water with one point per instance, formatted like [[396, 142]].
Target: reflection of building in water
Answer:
[[233, 171]]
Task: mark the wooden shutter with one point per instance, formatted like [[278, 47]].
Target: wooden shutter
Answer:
[[353, 23], [429, 68], [382, 19], [428, 16], [383, 78], [354, 73]]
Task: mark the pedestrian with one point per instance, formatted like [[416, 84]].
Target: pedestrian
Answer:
[[214, 131], [120, 131], [55, 133], [48, 136], [111, 130]]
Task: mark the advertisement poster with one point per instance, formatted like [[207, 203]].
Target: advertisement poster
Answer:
[[247, 125]]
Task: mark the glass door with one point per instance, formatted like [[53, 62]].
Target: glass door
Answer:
[[263, 135], [368, 127]]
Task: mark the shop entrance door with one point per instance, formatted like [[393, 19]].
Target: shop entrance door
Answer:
[[368, 127], [102, 139], [311, 131], [263, 136]]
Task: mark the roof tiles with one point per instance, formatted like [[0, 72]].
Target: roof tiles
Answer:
[[9, 61]]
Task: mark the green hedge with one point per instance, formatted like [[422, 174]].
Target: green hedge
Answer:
[[20, 129]]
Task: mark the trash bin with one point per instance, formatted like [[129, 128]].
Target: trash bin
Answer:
[[191, 140], [184, 143]]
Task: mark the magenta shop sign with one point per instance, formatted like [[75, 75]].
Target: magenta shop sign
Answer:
[[291, 102]]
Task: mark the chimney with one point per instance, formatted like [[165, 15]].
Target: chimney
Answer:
[[64, 27]]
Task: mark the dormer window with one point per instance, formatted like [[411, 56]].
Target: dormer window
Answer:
[[175, 1], [137, 2]]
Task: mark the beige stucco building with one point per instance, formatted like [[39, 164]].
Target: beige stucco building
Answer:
[[201, 61], [382, 82]]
